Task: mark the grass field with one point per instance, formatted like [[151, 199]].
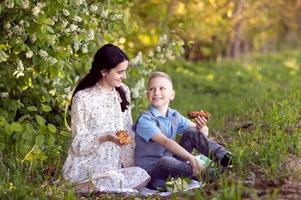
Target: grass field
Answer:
[[256, 113]]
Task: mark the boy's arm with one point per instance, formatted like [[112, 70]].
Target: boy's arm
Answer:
[[178, 150]]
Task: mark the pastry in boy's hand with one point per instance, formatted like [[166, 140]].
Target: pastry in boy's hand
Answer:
[[123, 137], [201, 113]]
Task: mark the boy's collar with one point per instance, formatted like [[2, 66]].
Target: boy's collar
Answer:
[[157, 113]]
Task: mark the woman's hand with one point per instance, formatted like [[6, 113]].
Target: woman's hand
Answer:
[[115, 139]]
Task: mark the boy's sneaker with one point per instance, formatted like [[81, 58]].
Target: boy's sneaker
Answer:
[[226, 161]]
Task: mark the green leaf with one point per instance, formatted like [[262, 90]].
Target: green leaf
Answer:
[[52, 128], [39, 140], [51, 140], [65, 133], [111, 27], [46, 108], [27, 135], [2, 121], [2, 146], [43, 130], [40, 120], [16, 126], [32, 108], [7, 129]]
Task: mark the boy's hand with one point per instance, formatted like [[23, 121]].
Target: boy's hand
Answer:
[[200, 122], [196, 167]]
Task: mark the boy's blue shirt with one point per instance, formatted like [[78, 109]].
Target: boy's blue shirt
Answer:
[[146, 127]]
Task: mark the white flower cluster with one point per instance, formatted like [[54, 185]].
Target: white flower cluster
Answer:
[[77, 19], [25, 4], [37, 9], [29, 54], [76, 45], [137, 60], [104, 13], [51, 60], [90, 35], [43, 53], [20, 69], [66, 12], [163, 40], [138, 88], [84, 48], [9, 3], [93, 8], [116, 17], [79, 2]]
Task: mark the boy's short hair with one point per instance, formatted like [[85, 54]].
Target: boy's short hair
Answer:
[[156, 74]]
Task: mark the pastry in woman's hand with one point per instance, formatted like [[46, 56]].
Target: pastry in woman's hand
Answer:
[[123, 137]]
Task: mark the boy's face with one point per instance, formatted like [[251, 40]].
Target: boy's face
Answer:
[[160, 92]]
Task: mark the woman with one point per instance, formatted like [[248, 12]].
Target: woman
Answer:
[[100, 108]]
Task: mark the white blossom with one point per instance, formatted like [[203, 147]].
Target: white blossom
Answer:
[[4, 94], [29, 54], [64, 23], [78, 2], [25, 4], [69, 49], [158, 49], [137, 60], [9, 34], [73, 27], [55, 18], [9, 3], [78, 19], [116, 17], [66, 12], [76, 45], [163, 39], [104, 14], [7, 25], [41, 4], [90, 35], [33, 37], [36, 10], [51, 22], [169, 54], [20, 66], [52, 60], [93, 8], [84, 48], [139, 86], [43, 53]]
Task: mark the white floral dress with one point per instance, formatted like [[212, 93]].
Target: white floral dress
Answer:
[[97, 112]]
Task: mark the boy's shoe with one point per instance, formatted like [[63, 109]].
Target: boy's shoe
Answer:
[[226, 161]]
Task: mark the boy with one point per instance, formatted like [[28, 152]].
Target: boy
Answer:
[[156, 150]]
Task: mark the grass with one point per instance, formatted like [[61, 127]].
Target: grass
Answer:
[[256, 109], [256, 112]]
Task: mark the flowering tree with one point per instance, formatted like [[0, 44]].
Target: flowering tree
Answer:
[[45, 46]]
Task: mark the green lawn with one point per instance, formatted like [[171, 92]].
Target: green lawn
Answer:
[[256, 112], [255, 106]]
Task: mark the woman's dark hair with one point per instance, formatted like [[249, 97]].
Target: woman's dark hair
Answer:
[[107, 57]]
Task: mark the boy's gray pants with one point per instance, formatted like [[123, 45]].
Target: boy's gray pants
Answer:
[[168, 166]]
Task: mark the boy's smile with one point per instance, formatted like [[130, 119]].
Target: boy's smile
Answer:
[[160, 92]]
